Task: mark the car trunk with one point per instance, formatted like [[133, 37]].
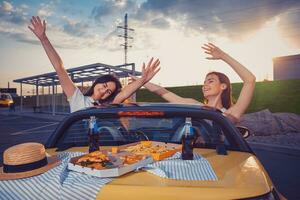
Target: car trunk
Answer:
[[240, 175]]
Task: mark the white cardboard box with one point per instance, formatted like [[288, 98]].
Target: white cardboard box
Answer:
[[113, 172]]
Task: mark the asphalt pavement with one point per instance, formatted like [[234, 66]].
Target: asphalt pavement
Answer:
[[283, 169], [16, 129]]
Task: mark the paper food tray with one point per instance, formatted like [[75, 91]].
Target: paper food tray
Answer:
[[112, 172], [156, 156]]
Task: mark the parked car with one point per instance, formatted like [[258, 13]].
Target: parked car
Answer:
[[240, 175], [6, 99]]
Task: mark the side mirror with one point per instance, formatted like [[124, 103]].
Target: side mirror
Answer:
[[245, 132]]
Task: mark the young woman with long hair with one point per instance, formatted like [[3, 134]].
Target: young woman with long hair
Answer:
[[217, 88], [105, 89]]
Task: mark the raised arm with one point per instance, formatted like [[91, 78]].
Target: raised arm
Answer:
[[165, 94], [238, 109], [39, 29], [147, 74]]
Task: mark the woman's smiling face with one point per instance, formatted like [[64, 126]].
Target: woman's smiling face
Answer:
[[212, 86], [103, 90]]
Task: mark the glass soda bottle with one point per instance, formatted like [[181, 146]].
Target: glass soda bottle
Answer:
[[188, 140], [93, 135]]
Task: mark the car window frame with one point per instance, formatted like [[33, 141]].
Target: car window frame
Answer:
[[229, 129]]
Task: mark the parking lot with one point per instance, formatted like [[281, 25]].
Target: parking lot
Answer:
[[16, 129]]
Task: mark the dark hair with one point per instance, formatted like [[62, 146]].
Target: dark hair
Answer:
[[226, 95], [105, 79]]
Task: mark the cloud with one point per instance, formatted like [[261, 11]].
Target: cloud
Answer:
[[111, 41], [16, 34], [234, 19], [44, 12], [75, 28], [160, 23], [12, 15], [289, 26], [6, 7], [108, 8]]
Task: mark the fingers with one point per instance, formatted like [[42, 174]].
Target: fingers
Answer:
[[151, 66], [209, 47], [205, 48], [150, 62], [211, 58], [32, 22], [156, 70], [35, 20], [30, 28], [155, 67], [39, 20], [155, 64], [211, 44]]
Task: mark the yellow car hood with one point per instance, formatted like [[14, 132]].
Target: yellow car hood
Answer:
[[240, 175]]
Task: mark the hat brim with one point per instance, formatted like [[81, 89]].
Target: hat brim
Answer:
[[53, 161]]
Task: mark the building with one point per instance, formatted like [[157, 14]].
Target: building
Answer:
[[57, 102], [286, 67]]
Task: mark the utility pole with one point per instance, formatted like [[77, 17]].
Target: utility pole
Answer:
[[126, 37], [126, 46]]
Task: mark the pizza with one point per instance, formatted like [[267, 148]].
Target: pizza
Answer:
[[95, 160], [147, 149], [131, 159]]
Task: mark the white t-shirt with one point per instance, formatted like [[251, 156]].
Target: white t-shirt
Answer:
[[78, 101]]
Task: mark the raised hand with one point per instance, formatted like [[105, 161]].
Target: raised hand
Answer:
[[151, 69], [147, 74], [132, 78], [38, 27], [213, 51]]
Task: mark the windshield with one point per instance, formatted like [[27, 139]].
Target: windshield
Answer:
[[123, 130], [5, 96]]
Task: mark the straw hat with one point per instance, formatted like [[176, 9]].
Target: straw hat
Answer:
[[26, 160]]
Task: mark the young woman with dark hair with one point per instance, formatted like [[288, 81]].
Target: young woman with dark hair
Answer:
[[217, 88], [105, 89]]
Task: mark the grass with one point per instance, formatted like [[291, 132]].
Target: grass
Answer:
[[277, 96]]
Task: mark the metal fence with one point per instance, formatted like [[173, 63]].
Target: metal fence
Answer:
[[45, 103]]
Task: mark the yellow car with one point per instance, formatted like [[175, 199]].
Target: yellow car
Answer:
[[238, 174], [5, 99]]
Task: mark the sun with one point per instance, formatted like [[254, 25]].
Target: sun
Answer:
[[259, 50]]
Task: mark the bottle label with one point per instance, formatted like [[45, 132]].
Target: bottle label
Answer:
[[188, 141]]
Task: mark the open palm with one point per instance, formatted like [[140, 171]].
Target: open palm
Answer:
[[38, 27], [151, 69], [212, 50]]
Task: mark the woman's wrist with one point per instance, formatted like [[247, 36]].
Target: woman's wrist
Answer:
[[224, 56], [43, 38], [143, 80]]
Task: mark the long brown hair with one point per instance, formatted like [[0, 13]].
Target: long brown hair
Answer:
[[226, 96]]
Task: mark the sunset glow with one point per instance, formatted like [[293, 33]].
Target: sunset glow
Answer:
[[172, 32]]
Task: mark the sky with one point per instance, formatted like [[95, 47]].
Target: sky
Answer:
[[85, 32]]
